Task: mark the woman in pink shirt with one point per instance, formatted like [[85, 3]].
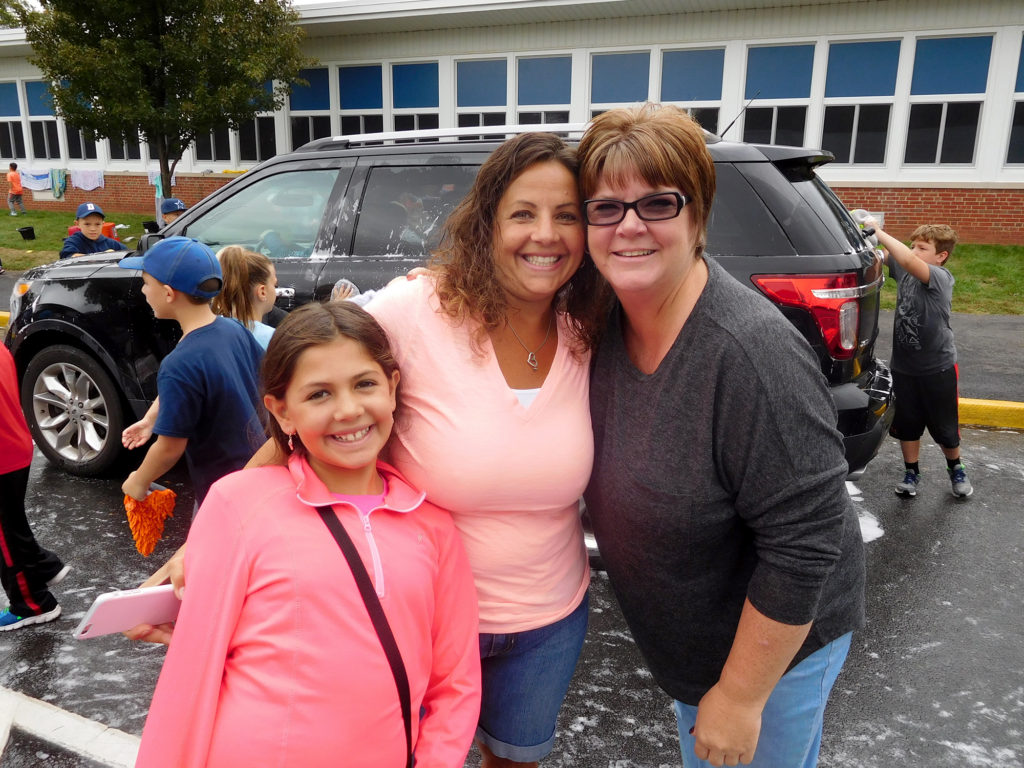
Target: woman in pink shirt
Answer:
[[494, 347], [275, 660]]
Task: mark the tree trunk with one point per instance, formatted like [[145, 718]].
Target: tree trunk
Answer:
[[165, 167]]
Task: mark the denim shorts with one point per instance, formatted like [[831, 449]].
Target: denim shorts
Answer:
[[792, 719], [525, 678]]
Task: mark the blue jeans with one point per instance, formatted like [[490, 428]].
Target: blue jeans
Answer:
[[525, 678], [792, 718]]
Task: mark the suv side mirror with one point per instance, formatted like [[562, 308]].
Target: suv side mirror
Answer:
[[148, 240]]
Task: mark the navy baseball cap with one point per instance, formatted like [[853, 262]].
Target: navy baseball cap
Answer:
[[172, 204], [86, 208], [180, 262]]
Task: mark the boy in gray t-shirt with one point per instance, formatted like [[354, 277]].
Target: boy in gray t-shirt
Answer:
[[923, 354]]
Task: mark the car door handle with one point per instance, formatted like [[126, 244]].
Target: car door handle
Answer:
[[287, 293]]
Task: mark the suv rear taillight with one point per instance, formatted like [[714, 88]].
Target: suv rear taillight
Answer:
[[832, 300]]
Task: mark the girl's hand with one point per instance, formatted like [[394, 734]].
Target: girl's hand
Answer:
[[147, 633], [418, 272], [174, 571], [726, 730]]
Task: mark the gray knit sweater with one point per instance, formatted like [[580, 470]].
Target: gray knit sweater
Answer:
[[721, 476]]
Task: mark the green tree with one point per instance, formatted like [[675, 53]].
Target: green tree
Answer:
[[168, 70]]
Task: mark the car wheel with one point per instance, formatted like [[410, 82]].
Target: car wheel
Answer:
[[73, 410]]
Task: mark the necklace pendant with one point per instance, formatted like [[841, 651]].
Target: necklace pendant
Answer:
[[531, 360]]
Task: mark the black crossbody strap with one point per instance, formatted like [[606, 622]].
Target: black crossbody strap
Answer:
[[380, 621]]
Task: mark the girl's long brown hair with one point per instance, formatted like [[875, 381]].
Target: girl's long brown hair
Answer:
[[242, 271]]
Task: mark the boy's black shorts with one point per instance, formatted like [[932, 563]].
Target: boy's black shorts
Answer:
[[930, 401]]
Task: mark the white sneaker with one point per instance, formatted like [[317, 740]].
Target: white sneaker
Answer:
[[9, 621]]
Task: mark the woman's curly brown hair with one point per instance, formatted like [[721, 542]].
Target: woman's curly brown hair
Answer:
[[467, 283]]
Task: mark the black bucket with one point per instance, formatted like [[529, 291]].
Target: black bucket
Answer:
[[27, 233], [151, 226]]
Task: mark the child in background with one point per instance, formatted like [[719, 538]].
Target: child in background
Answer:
[[27, 571], [208, 385], [171, 208], [90, 238], [248, 294], [274, 660], [923, 353], [14, 194]]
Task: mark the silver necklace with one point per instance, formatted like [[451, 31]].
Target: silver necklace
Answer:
[[531, 357]]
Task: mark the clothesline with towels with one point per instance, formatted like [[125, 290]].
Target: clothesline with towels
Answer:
[[87, 180], [56, 179]]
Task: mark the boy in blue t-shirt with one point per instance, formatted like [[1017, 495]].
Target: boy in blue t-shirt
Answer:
[[208, 387], [90, 238]]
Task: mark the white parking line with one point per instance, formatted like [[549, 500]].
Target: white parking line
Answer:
[[66, 730], [870, 528]]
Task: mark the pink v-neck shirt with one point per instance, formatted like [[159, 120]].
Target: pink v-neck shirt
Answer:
[[511, 476]]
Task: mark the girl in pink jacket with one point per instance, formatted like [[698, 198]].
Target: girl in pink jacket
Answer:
[[274, 659]]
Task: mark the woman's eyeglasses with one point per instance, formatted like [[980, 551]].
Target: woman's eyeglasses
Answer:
[[657, 207]]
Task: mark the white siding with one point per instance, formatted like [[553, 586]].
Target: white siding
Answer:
[[542, 28]]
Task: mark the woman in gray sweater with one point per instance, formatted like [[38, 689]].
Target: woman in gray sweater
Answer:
[[718, 493]]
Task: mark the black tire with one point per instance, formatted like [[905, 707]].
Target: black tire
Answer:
[[74, 411]]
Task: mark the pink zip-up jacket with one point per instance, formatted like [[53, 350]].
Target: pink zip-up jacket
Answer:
[[274, 661]]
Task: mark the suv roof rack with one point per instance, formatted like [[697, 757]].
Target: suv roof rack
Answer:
[[475, 132], [441, 135]]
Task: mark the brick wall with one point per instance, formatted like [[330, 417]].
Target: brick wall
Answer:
[[977, 215], [132, 192]]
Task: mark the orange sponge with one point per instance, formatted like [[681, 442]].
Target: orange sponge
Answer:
[[146, 518]]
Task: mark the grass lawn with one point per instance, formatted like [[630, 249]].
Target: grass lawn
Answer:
[[51, 227], [989, 278]]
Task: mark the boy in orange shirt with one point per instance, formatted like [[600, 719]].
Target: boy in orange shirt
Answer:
[[16, 190]]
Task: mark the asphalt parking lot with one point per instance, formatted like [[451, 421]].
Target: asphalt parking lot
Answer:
[[935, 679]]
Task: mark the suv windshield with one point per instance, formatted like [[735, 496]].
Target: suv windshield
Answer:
[[277, 215]]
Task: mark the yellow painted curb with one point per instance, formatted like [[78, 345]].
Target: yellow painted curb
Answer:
[[992, 413]]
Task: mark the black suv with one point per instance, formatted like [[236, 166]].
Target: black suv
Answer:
[[369, 208]]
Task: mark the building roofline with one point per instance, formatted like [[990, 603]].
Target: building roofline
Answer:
[[323, 18]]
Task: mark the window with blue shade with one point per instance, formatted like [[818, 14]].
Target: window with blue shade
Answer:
[[620, 77], [779, 72], [481, 83], [951, 65], [361, 87], [1015, 151], [316, 95], [9, 106], [545, 80], [414, 85], [862, 69], [692, 75], [40, 102], [1020, 69]]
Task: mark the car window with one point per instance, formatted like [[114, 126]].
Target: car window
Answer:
[[800, 207], [279, 215], [404, 209], [831, 210], [740, 224]]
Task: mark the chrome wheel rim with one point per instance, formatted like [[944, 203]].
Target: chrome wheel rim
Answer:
[[70, 412]]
